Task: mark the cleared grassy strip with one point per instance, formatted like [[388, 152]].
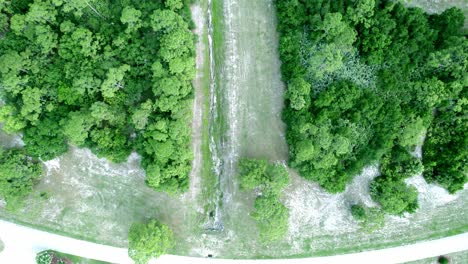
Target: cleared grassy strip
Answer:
[[208, 179], [47, 228], [355, 249], [215, 118]]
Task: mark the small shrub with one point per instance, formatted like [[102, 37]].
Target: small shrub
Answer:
[[443, 260], [44, 257]]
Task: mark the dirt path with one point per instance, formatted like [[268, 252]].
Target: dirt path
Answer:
[[195, 175], [22, 243]]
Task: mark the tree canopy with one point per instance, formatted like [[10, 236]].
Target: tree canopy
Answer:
[[366, 79], [268, 179], [18, 174], [149, 240], [114, 77]]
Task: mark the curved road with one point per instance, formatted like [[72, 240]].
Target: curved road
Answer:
[[22, 243]]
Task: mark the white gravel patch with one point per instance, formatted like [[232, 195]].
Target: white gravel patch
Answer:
[[430, 195]]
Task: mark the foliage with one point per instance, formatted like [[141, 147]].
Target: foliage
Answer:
[[269, 179], [364, 79], [369, 218], [400, 164], [111, 76], [445, 153], [56, 257], [394, 196], [272, 218], [149, 240], [18, 173], [44, 257]]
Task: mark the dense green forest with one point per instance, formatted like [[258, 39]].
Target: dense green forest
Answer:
[[112, 76], [365, 81], [268, 180]]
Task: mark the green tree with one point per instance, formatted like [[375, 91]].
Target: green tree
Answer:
[[174, 4], [362, 12], [270, 179], [443, 260], [150, 240], [252, 172], [141, 114], [32, 105], [100, 75], [272, 218], [298, 94], [413, 76], [445, 152], [114, 81], [132, 18], [18, 174], [44, 257], [76, 127], [46, 140], [394, 196], [399, 164], [369, 218], [12, 122]]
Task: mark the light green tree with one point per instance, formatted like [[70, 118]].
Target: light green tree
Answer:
[[298, 93], [174, 4], [141, 114], [132, 18], [150, 240], [114, 81], [18, 173], [76, 127]]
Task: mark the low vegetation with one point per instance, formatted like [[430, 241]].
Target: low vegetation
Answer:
[[55, 257], [268, 180], [412, 79], [150, 240], [369, 218], [114, 77]]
